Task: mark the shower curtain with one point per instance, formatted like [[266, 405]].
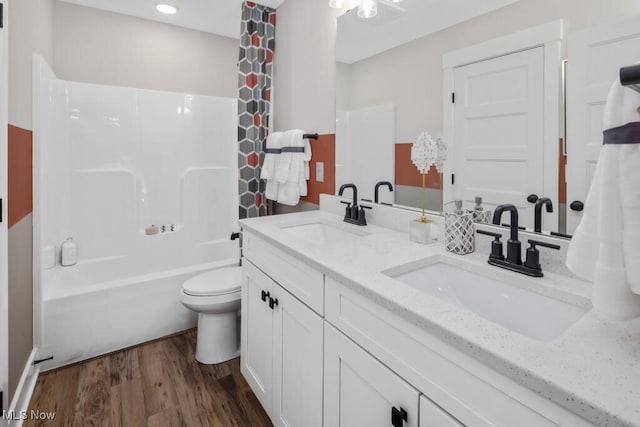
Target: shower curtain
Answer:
[[255, 67]]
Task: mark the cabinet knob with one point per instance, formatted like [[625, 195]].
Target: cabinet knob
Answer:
[[398, 416], [576, 205], [264, 295], [273, 302], [532, 198]]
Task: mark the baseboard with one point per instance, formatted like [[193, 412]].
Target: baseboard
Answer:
[[19, 407]]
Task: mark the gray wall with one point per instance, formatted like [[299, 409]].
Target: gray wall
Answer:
[[91, 45], [304, 67], [29, 31]]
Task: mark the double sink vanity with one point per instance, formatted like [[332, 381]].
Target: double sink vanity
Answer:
[[357, 326]]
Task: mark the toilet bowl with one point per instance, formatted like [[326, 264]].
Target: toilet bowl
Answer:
[[215, 296]]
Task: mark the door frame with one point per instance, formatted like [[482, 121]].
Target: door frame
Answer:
[[549, 36], [4, 164]]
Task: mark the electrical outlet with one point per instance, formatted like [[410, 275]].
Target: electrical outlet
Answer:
[[320, 172]]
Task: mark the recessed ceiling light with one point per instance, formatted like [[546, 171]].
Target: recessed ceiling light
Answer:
[[167, 9]]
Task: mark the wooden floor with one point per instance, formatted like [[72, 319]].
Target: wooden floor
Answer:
[[155, 384]]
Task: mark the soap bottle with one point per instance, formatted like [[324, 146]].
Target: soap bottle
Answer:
[[479, 214], [459, 231], [68, 253]]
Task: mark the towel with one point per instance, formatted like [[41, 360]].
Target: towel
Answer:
[[292, 171], [605, 248], [270, 164]]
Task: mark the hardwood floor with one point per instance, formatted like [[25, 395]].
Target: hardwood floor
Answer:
[[159, 383]]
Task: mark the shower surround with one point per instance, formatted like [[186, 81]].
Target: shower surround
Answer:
[[110, 163]]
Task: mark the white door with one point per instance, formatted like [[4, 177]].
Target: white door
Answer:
[[256, 336], [297, 370], [4, 305], [498, 132], [595, 58], [361, 391]]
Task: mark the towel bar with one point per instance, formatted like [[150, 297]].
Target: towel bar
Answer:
[[630, 77]]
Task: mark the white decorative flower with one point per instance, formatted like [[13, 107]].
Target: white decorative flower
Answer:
[[426, 152]]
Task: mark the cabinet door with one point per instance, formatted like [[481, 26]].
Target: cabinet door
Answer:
[[256, 336], [431, 415], [361, 391], [297, 370]]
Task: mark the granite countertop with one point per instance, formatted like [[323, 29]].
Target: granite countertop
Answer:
[[592, 369]]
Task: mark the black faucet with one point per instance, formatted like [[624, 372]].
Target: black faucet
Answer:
[[354, 214], [514, 248], [378, 184], [538, 212], [513, 262]]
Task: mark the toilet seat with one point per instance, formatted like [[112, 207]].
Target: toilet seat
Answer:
[[221, 281]]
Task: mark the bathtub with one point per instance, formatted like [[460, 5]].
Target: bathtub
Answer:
[[109, 162], [87, 317]]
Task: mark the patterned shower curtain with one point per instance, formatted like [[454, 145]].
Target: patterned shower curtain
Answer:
[[257, 43]]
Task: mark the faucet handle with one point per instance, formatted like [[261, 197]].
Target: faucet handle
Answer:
[[545, 244], [496, 245], [533, 254]]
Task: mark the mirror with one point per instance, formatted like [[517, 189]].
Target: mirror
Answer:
[[382, 68]]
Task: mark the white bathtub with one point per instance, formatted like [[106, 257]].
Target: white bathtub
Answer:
[[85, 319], [108, 163]]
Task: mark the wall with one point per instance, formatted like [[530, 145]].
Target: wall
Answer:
[[30, 24], [304, 81], [417, 89], [95, 46]]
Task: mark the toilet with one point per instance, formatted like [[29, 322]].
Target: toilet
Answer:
[[215, 296]]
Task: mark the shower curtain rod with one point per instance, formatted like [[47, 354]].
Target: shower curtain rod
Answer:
[[630, 77]]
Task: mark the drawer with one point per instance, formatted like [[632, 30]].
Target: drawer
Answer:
[[462, 386], [304, 282]]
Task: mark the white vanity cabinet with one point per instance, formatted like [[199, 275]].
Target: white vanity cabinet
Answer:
[[360, 391], [452, 381], [431, 415], [281, 343]]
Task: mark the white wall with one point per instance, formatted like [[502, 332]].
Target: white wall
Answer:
[[411, 75], [95, 46], [304, 67]]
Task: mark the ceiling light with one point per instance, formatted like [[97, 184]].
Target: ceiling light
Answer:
[[394, 1], [167, 9], [368, 8]]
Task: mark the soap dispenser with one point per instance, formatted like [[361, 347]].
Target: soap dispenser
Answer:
[[479, 214], [458, 230]]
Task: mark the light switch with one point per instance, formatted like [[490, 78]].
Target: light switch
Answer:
[[320, 171]]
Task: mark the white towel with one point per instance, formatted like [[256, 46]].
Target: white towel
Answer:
[[292, 171], [605, 248], [270, 165]]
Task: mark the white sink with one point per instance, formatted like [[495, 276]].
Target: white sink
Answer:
[[528, 313], [321, 233]]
